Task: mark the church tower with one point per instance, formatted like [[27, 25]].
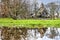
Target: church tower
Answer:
[[42, 11]]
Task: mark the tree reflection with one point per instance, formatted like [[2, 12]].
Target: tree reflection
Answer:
[[53, 33]]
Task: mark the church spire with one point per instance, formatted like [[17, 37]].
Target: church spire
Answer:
[[42, 5]]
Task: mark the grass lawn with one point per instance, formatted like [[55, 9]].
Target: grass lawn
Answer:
[[29, 23]]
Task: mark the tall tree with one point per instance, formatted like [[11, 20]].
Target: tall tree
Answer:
[[53, 7], [5, 9], [15, 8], [35, 6]]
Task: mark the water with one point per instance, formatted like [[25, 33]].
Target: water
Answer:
[[27, 34]]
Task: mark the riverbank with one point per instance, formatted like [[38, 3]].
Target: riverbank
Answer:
[[29, 23]]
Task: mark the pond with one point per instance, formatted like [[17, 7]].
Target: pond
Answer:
[[29, 33]]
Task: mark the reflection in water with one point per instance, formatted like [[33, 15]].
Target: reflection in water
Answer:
[[29, 34], [53, 33]]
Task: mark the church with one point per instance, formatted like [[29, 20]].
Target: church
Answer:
[[42, 12]]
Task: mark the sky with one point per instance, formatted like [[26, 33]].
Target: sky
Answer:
[[46, 1]]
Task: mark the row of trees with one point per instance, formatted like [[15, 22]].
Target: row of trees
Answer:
[[24, 9], [17, 9]]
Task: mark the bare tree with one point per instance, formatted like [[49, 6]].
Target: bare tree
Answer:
[[53, 7], [15, 8], [35, 7]]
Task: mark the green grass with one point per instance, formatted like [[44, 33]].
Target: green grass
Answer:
[[29, 23]]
